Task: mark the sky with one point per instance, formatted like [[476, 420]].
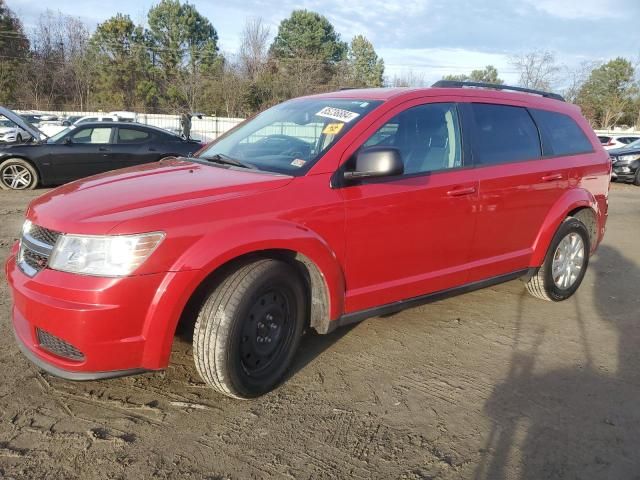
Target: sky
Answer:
[[428, 38]]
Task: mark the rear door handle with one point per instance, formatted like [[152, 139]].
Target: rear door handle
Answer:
[[552, 177], [459, 192]]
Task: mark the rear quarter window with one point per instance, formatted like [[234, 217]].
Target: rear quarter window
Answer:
[[561, 134]]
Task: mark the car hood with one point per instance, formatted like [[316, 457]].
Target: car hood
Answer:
[[21, 122], [97, 204], [4, 130], [623, 151]]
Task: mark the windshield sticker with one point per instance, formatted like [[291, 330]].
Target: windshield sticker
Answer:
[[332, 128], [298, 163], [337, 114]]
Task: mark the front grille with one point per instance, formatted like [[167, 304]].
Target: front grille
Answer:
[[36, 247], [34, 260], [44, 235], [57, 346]]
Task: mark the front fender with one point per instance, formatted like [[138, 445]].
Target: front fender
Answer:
[[570, 201], [213, 251]]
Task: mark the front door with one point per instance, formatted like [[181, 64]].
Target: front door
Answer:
[[411, 235], [84, 152]]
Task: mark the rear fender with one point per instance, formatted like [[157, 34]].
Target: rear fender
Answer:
[[570, 201]]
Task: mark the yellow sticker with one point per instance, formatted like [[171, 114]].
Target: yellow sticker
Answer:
[[332, 128]]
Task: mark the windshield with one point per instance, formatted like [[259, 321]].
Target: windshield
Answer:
[[59, 135], [5, 123], [635, 144], [289, 138]]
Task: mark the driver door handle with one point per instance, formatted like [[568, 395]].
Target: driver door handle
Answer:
[[552, 177], [459, 192], [104, 149]]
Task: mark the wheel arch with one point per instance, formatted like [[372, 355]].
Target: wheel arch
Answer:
[[578, 203], [317, 286]]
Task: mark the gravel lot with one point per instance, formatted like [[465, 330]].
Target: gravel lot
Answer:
[[490, 385]]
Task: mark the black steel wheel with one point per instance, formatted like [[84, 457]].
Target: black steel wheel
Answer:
[[249, 328]]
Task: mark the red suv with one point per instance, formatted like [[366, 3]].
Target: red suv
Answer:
[[318, 212]]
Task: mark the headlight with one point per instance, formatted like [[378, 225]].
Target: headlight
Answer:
[[105, 256], [628, 158]]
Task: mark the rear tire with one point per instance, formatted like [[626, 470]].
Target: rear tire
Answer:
[[249, 328], [17, 174], [564, 265]]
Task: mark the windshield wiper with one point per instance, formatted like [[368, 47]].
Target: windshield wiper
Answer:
[[227, 160]]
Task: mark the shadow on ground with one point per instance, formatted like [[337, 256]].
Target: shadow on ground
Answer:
[[551, 425]]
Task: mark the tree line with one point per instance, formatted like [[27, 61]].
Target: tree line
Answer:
[[175, 64]]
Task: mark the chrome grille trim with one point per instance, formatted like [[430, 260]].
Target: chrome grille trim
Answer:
[[36, 246]]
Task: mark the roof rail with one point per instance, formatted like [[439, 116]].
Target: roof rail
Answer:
[[458, 84]]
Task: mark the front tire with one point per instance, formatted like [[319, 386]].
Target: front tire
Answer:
[[636, 179], [18, 138], [565, 264], [249, 328], [17, 174]]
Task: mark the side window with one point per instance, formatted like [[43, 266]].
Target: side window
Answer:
[[503, 134], [562, 135], [427, 136], [129, 135], [92, 135]]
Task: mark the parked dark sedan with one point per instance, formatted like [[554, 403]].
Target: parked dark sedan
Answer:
[[83, 150], [626, 163]]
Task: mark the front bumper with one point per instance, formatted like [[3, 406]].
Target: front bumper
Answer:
[[122, 326], [624, 172]]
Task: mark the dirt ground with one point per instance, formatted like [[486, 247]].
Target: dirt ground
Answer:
[[490, 385]]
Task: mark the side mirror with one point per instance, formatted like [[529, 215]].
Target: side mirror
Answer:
[[68, 141], [66, 123], [376, 162]]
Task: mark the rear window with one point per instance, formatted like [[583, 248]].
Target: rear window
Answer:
[[129, 135], [561, 134], [503, 134]]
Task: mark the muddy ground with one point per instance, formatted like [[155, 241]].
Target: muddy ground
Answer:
[[490, 385]]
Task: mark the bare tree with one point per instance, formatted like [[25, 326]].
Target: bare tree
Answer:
[[613, 111], [59, 71], [254, 49], [576, 77], [538, 69], [407, 79]]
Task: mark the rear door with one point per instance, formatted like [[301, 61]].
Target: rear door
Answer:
[[517, 187], [135, 146], [88, 151], [410, 235]]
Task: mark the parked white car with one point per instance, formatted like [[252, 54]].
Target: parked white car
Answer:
[[617, 141], [11, 133]]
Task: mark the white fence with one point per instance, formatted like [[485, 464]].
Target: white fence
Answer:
[[205, 128]]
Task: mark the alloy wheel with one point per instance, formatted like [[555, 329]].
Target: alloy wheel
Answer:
[[568, 261], [16, 177]]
